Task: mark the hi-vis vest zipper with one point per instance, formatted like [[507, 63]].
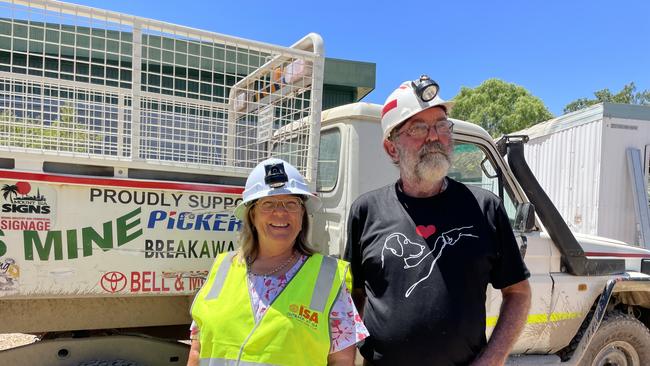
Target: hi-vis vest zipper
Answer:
[[293, 331]]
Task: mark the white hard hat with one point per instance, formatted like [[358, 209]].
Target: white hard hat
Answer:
[[274, 177], [407, 100]]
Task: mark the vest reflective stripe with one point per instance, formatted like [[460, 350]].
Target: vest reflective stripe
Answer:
[[323, 284], [291, 332], [220, 277], [209, 280], [224, 362]]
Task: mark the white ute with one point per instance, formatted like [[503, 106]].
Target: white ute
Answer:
[[118, 189], [115, 200]]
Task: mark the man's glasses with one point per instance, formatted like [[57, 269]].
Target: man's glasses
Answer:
[[420, 130], [291, 205]]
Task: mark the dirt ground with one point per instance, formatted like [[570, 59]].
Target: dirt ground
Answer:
[[11, 340]]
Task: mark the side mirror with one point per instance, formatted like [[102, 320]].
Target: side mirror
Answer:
[[525, 217]]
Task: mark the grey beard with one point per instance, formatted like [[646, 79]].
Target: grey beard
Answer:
[[430, 165]]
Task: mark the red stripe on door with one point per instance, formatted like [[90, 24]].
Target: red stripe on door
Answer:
[[619, 255]]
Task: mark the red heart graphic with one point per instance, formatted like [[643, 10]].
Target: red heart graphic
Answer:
[[425, 231]]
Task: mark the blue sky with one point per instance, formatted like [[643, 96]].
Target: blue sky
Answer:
[[558, 50]]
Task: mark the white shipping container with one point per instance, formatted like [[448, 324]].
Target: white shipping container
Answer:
[[581, 162]]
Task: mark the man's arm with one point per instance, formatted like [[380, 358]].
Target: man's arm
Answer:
[[512, 318]]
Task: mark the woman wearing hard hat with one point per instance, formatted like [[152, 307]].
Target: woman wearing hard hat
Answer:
[[275, 301]]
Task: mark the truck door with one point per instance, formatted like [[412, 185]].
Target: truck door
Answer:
[[477, 163], [328, 226]]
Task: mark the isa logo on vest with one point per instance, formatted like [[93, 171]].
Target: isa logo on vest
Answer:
[[303, 315]]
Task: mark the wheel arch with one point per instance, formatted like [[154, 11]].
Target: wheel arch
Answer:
[[631, 289]]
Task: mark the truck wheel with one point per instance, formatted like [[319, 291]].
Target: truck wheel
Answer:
[[621, 340]]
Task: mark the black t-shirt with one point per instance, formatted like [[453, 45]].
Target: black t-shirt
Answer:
[[425, 264]]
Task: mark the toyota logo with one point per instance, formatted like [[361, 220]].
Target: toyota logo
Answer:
[[113, 281]]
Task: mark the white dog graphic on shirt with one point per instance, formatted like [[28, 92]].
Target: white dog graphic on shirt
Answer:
[[414, 254]]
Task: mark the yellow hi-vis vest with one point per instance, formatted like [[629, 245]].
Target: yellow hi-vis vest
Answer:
[[293, 331]]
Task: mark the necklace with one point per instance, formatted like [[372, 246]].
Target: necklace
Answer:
[[249, 264]]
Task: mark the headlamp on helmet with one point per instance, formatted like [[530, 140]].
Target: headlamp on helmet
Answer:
[[425, 88], [275, 176]]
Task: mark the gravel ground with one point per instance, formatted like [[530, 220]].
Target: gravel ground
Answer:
[[11, 340]]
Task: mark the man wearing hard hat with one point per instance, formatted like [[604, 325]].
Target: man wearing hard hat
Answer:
[[423, 249]]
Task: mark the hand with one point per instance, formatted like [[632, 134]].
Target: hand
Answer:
[[512, 318]]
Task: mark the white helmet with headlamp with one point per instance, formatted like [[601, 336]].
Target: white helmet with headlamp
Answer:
[[409, 99], [273, 177]]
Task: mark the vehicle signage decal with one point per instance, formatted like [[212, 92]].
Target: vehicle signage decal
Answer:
[[9, 274], [209, 221], [148, 282], [169, 248], [26, 206], [88, 236], [114, 233], [113, 281]]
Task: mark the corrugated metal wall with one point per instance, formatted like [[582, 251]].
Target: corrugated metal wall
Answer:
[[564, 155], [580, 160], [567, 165]]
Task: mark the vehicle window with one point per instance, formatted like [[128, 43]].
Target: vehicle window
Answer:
[[329, 156], [471, 167]]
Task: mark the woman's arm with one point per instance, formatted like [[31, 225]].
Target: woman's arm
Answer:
[[346, 329], [195, 350], [344, 357]]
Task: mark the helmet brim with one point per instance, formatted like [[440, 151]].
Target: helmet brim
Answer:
[[312, 202], [448, 105]]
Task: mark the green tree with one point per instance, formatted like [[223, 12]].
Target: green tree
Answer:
[[627, 95], [499, 107], [64, 134]]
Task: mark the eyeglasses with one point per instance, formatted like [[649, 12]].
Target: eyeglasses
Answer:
[[271, 205], [420, 130]]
